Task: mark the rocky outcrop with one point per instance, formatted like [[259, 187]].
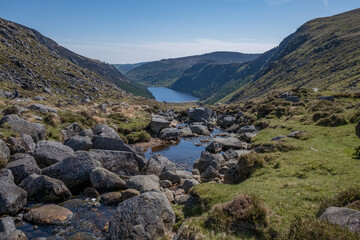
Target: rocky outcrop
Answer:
[[146, 216], [48, 153]]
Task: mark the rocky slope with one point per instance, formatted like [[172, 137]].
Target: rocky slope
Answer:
[[166, 71], [323, 53], [34, 61]]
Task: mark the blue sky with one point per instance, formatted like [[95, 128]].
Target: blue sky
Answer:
[[129, 31]]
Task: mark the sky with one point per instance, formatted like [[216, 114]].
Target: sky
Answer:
[[132, 31]]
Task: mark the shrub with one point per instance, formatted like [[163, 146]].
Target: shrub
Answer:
[[314, 229], [136, 137], [243, 214], [342, 199]]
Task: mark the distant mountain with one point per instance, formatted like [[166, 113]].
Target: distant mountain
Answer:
[[323, 53], [125, 68], [35, 61], [167, 71]]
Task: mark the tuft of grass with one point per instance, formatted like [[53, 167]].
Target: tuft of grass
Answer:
[[141, 136]]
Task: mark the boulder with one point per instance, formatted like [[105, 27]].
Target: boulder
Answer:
[[12, 198], [143, 183], [17, 235], [292, 99], [156, 163], [247, 129], [7, 227], [188, 184], [229, 154], [42, 108], [35, 130], [157, 124], [4, 153], [169, 134], [207, 159], [169, 195], [105, 131], [181, 199], [119, 162], [171, 176], [231, 143], [210, 173], [6, 173], [48, 153], [214, 147], [165, 183], [327, 98], [146, 216], [344, 217], [103, 180], [74, 171], [45, 189], [78, 142], [49, 214], [129, 193], [296, 134], [90, 193], [200, 130], [247, 137], [200, 114], [226, 121], [111, 198], [22, 168], [185, 132], [87, 133]]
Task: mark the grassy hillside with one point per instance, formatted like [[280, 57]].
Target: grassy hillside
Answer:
[[165, 72], [125, 68]]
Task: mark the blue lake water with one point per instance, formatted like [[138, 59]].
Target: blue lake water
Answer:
[[168, 95]]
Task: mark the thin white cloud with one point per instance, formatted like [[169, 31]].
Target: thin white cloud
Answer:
[[326, 3], [150, 51]]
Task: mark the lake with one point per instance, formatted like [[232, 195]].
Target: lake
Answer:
[[168, 95]]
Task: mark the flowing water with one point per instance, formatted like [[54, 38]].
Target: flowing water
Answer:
[[168, 95]]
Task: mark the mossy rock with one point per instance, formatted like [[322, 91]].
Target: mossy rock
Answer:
[[136, 137]]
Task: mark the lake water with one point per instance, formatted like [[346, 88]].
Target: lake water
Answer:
[[168, 95]]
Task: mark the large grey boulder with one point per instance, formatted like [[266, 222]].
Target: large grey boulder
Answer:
[[157, 124], [189, 183], [4, 172], [72, 130], [103, 180], [36, 130], [200, 130], [45, 189], [143, 217], [169, 134], [230, 154], [173, 177], [75, 170], [200, 114], [214, 147], [22, 168], [207, 159], [78, 142], [156, 164], [231, 143], [344, 217], [186, 132], [105, 131], [226, 121], [143, 183], [119, 162], [12, 198], [42, 108], [48, 153]]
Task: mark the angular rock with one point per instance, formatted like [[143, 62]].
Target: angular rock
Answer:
[[17, 235], [165, 183], [157, 124], [105, 131], [181, 199], [200, 130], [75, 170], [344, 217], [169, 195], [45, 189], [229, 154], [129, 193], [12, 198], [171, 176], [4, 153], [147, 216], [87, 133], [35, 130], [200, 114], [185, 132], [188, 184], [214, 147], [79, 143], [91, 193], [48, 153], [210, 173], [72, 130], [247, 137], [111, 198], [6, 173], [103, 180], [169, 134], [7, 227], [231, 142], [156, 164], [247, 129], [207, 159], [49, 214], [42, 108], [22, 168], [144, 183]]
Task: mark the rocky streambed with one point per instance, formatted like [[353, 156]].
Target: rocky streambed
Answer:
[[94, 186]]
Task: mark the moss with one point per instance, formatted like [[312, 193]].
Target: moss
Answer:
[[333, 120], [141, 136]]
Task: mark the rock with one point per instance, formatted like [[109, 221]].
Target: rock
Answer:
[[169, 134], [91, 193], [357, 129], [45, 189], [247, 129], [87, 133], [292, 99], [105, 131], [229, 154], [28, 143], [171, 176], [129, 193], [200, 130], [184, 174], [156, 163], [146, 216], [327, 98], [165, 183], [214, 147], [278, 138], [119, 162], [22, 168], [185, 132], [144, 183], [170, 167], [344, 217], [210, 173], [6, 173], [157, 124], [169, 195], [195, 171], [35, 130], [17, 235], [247, 137], [48, 153], [111, 198], [231, 143], [49, 214], [39, 98], [181, 199], [79, 143], [7, 227], [200, 114], [188, 184], [226, 121], [296, 134], [12, 198], [4, 153], [42, 108], [73, 130], [75, 170], [207, 159], [104, 180]]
